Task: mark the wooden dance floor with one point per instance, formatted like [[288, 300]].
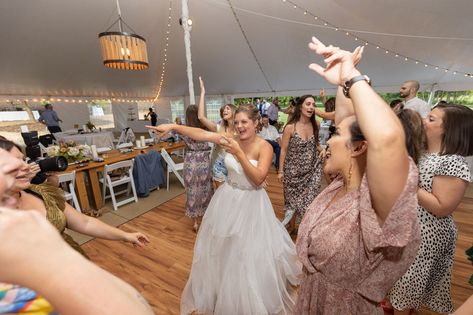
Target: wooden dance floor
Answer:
[[160, 270]]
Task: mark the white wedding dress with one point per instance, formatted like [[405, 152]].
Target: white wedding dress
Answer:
[[244, 259]]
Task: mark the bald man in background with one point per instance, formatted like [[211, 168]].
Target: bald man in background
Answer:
[[408, 92]]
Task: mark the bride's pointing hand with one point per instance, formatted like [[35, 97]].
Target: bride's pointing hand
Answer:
[[162, 129], [230, 145]]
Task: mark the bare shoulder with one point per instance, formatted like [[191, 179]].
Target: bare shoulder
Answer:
[[31, 202], [263, 145], [288, 129]]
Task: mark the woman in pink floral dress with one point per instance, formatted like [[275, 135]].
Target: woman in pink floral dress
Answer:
[[361, 233]]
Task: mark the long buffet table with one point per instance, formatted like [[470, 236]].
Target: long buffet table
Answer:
[[92, 168]]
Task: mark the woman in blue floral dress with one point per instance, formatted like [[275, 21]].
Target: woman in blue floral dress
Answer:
[[224, 127], [197, 171]]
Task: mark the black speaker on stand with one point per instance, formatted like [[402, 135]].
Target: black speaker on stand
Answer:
[[32, 150]]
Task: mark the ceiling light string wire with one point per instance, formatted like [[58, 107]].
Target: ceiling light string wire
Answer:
[[249, 45]]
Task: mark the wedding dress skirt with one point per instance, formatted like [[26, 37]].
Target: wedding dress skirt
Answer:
[[244, 259]]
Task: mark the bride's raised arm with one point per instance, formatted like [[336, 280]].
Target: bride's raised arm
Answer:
[[197, 134]]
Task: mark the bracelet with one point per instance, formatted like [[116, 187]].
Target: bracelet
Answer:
[[348, 84]]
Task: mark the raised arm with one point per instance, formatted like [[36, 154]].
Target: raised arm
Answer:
[[387, 154], [323, 96], [191, 132], [325, 115], [343, 106], [210, 125]]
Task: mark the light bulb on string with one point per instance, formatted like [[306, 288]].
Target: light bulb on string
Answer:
[[336, 28]]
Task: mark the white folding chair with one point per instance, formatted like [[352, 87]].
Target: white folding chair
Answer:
[[127, 135], [126, 178], [69, 179], [172, 167]]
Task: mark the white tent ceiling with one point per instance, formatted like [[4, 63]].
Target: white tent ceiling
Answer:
[[50, 47]]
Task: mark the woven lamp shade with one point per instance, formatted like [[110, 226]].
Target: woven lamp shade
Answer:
[[124, 51]]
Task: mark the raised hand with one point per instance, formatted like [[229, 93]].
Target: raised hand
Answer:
[[322, 93], [340, 64], [202, 86]]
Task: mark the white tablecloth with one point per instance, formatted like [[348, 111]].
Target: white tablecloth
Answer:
[[100, 139]]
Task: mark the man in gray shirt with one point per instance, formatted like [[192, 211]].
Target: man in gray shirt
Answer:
[[408, 92], [273, 112], [50, 119]]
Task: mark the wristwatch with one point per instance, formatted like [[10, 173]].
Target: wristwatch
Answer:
[[348, 84]]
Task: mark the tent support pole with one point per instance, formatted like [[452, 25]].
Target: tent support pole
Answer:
[[187, 43]]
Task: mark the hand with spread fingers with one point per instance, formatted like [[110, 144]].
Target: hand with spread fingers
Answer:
[[34, 169], [138, 239], [340, 64]]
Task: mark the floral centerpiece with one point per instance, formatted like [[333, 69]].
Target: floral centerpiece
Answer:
[[71, 151]]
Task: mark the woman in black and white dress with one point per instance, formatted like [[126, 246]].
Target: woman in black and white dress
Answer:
[[444, 177]]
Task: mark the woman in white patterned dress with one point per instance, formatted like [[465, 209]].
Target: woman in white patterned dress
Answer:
[[444, 177]]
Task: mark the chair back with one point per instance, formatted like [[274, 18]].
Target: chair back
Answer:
[[68, 177], [168, 159], [127, 135], [122, 164]]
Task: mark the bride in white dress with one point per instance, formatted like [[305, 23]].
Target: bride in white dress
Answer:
[[244, 259]]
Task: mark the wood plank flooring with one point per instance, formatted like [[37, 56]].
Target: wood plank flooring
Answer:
[[160, 271]]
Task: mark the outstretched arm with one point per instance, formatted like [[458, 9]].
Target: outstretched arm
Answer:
[[387, 154], [191, 132], [94, 227], [201, 109]]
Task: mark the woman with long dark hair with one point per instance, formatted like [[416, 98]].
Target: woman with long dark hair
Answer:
[[300, 166], [197, 171]]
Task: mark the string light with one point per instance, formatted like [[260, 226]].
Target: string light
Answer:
[[165, 60], [329, 25], [72, 100]]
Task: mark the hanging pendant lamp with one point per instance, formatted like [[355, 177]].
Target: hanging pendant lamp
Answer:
[[121, 49]]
